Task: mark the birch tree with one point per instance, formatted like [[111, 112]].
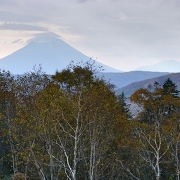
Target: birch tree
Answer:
[[67, 126], [74, 83], [26, 126], [88, 111], [158, 109]]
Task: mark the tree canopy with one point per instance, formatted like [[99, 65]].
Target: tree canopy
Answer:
[[72, 126]]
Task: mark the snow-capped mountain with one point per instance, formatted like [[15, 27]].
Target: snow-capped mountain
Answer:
[[51, 53], [164, 66]]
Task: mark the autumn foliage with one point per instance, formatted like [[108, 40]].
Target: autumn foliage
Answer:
[[72, 126]]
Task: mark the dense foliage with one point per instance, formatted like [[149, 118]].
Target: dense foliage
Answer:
[[72, 126]]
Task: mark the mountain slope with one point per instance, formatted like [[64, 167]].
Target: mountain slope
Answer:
[[164, 66], [149, 83], [53, 54], [123, 79]]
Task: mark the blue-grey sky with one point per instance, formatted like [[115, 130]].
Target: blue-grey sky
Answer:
[[124, 34]]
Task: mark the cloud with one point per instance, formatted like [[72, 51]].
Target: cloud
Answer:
[[42, 36], [141, 29], [12, 26], [17, 41], [7, 2], [16, 17], [83, 1]]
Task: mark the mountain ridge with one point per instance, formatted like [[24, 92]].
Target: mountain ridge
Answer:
[[51, 53], [163, 66], [125, 78], [149, 83]]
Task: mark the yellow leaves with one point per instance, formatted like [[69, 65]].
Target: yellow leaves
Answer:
[[167, 129], [171, 126], [140, 96], [169, 99]]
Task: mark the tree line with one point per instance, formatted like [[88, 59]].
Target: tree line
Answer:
[[71, 125]]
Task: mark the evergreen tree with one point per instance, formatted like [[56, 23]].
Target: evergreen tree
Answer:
[[169, 87], [122, 102], [157, 130]]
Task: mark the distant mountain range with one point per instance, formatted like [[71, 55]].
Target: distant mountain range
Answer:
[[123, 79], [54, 54], [51, 53], [149, 83], [164, 66]]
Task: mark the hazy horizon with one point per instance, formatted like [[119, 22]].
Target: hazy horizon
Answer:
[[123, 34]]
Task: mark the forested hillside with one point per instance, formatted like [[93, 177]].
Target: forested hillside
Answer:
[[73, 126], [122, 79], [149, 83]]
